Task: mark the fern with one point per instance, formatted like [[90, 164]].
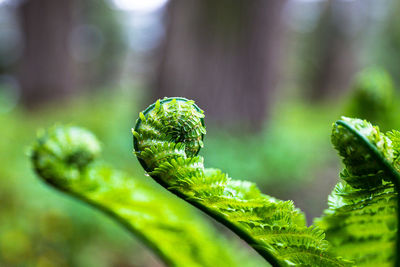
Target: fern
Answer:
[[359, 227], [361, 222], [66, 158], [167, 138]]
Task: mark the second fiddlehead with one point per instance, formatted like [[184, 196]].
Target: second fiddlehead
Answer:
[[167, 138]]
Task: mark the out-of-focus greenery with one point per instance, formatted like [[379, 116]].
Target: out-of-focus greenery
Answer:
[[373, 97], [38, 226], [385, 43], [295, 136]]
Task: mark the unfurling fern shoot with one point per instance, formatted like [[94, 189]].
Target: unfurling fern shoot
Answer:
[[66, 158], [167, 138], [362, 220]]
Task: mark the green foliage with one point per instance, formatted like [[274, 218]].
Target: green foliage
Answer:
[[277, 147], [66, 158], [373, 97], [361, 221], [64, 232], [167, 138], [360, 224]]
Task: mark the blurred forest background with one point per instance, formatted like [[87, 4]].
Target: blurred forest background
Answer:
[[271, 76]]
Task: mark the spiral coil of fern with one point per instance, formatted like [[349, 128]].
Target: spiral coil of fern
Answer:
[[363, 207], [66, 158], [167, 138], [59, 155]]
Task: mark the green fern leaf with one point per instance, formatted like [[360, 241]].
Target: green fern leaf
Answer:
[[361, 222], [167, 138], [66, 158]]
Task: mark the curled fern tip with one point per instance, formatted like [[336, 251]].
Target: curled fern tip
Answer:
[[175, 123], [63, 151]]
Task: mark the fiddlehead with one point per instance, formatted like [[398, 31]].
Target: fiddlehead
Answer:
[[61, 154], [361, 222], [66, 157], [167, 138]]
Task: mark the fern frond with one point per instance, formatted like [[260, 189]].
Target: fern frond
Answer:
[[66, 158], [395, 138], [362, 219], [274, 228]]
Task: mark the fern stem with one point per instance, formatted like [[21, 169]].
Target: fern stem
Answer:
[[124, 223], [269, 257]]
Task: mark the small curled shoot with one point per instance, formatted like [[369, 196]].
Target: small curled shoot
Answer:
[[62, 153], [170, 120]]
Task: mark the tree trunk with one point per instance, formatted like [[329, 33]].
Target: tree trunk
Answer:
[[224, 55], [46, 71], [332, 48]]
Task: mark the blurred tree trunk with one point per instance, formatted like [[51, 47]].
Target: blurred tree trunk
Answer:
[[224, 55], [46, 71], [332, 49]]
